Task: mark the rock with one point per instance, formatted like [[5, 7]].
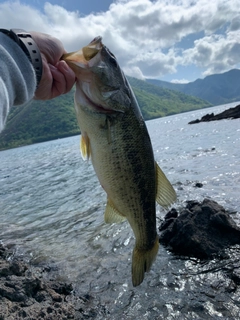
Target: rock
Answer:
[[200, 230], [198, 185], [26, 293], [232, 113]]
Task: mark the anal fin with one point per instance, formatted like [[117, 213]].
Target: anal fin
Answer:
[[111, 214]]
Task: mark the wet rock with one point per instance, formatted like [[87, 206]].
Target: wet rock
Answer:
[[200, 230], [26, 293], [232, 113], [198, 185]]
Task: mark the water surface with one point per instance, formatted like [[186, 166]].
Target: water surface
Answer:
[[52, 211]]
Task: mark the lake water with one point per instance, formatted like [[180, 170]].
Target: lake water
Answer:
[[51, 209]]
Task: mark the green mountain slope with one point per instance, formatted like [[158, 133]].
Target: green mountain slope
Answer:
[[46, 120], [157, 102], [217, 88], [40, 121]]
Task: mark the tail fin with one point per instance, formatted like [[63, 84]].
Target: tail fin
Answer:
[[142, 261]]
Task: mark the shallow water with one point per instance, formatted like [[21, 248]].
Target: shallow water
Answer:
[[52, 210]]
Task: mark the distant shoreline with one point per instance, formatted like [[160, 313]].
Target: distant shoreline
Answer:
[[231, 113]]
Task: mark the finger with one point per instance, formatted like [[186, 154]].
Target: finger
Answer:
[[58, 82], [68, 73]]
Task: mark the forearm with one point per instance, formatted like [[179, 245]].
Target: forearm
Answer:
[[17, 77]]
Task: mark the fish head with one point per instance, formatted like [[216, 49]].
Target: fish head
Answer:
[[101, 84]]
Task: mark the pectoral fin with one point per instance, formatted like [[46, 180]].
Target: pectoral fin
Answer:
[[166, 195], [111, 214], [85, 147]]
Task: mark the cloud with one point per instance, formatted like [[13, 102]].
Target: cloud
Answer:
[[215, 53], [179, 81], [151, 64], [235, 24], [144, 35]]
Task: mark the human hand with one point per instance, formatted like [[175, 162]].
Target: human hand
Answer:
[[57, 77]]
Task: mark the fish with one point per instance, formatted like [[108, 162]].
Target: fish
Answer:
[[115, 138]]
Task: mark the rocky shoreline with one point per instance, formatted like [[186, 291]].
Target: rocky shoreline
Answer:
[[201, 230], [30, 292], [232, 113], [24, 294]]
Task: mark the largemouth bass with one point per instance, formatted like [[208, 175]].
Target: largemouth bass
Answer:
[[115, 137]]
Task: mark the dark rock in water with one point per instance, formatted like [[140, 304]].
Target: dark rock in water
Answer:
[[198, 185], [200, 230], [232, 113]]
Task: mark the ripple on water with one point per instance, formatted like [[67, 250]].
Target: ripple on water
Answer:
[[52, 209]]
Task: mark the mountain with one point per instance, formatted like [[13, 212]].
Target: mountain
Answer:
[[40, 121], [47, 120], [217, 89], [158, 102]]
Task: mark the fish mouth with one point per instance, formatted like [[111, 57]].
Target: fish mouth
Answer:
[[83, 57], [80, 62], [92, 49]]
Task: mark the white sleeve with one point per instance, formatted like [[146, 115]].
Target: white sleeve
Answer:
[[17, 77]]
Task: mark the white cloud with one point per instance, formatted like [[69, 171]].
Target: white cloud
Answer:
[[215, 53], [179, 81], [143, 34], [134, 72]]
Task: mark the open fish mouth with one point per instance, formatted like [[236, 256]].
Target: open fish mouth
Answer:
[[82, 57], [91, 50], [80, 61], [83, 62]]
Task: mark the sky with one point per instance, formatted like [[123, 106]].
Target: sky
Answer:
[[171, 40]]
